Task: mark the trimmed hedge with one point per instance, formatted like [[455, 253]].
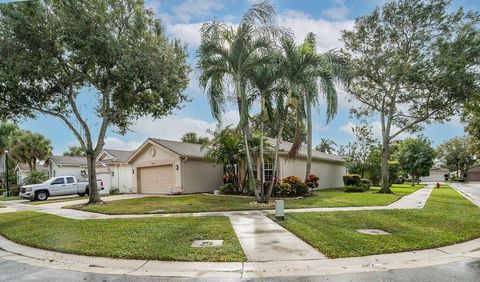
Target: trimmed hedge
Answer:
[[351, 180]]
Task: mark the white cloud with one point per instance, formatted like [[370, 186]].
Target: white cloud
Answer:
[[328, 32], [173, 128], [187, 33], [190, 9], [117, 144], [347, 128], [337, 12]]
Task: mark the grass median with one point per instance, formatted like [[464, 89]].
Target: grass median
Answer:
[[167, 239], [209, 203], [447, 218]]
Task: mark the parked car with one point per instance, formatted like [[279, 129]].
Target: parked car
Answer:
[[56, 186]]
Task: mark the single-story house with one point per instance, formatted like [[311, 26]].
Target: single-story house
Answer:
[[164, 166], [67, 165], [437, 174], [330, 168], [473, 173], [113, 169], [22, 170]]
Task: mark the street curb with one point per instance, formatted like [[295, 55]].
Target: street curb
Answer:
[[455, 253]]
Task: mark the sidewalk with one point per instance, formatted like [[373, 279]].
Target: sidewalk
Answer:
[[415, 200], [278, 268], [264, 240]]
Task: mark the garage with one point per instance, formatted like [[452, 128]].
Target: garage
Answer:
[[473, 174], [156, 179]]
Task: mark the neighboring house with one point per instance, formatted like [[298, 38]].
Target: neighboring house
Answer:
[[113, 170], [22, 170], [473, 173], [330, 168], [437, 174], [163, 166], [66, 166]]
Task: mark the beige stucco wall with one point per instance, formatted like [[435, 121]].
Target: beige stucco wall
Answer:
[[201, 176], [330, 173], [66, 170], [122, 177], [163, 156]]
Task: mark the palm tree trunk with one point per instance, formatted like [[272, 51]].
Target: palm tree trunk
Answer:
[[309, 138], [275, 162], [262, 159], [246, 136]]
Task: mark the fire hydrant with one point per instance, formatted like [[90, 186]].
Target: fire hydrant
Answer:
[[438, 185]]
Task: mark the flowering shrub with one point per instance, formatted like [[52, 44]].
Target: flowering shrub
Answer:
[[299, 188], [282, 188], [312, 181]]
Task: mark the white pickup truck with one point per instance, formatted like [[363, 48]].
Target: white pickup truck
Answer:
[[56, 186]]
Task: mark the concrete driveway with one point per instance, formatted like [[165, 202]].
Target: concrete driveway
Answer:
[[470, 190]]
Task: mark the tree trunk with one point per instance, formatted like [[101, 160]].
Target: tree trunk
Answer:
[[94, 197], [309, 138], [385, 184], [413, 179], [275, 161], [261, 157]]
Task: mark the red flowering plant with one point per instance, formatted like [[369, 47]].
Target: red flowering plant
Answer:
[[312, 181]]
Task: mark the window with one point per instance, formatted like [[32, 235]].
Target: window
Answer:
[[70, 180], [113, 174], [58, 181], [267, 171]]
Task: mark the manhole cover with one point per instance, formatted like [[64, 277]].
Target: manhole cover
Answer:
[[373, 231], [206, 243]]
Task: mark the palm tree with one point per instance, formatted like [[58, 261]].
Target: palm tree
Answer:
[[30, 147], [326, 146], [228, 54], [7, 130], [75, 151], [267, 85], [320, 74], [226, 148]]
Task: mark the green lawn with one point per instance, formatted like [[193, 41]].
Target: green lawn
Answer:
[[448, 218], [139, 238], [203, 203], [11, 198], [2, 206]]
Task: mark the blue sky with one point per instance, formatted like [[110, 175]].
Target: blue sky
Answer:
[[183, 18]]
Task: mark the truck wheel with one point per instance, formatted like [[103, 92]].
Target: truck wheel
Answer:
[[81, 194], [87, 191], [41, 196]]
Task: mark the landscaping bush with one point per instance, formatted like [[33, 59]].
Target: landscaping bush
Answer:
[[312, 181], [351, 180], [114, 191], [354, 188], [299, 188], [227, 188], [35, 177], [366, 184], [282, 189]]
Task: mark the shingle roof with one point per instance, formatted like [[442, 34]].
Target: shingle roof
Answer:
[[119, 155], [285, 148], [25, 167], [181, 148], [69, 160]]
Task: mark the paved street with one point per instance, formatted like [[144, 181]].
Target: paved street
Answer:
[[463, 271], [470, 190]]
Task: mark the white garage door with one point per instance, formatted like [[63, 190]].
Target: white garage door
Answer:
[[155, 179]]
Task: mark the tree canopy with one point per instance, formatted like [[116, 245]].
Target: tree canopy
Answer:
[[29, 148], [415, 156], [51, 50], [192, 137], [412, 62], [456, 154], [75, 151]]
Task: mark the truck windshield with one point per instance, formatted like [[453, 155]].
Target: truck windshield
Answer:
[[50, 180]]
